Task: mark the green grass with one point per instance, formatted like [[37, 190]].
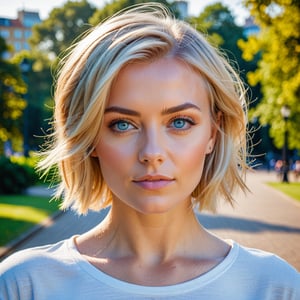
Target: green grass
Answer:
[[291, 189], [20, 212]]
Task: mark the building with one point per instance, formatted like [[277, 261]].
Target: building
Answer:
[[16, 32], [250, 28], [182, 7]]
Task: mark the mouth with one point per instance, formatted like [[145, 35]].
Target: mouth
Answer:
[[153, 182]]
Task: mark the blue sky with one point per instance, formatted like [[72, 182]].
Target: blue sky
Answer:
[[9, 8]]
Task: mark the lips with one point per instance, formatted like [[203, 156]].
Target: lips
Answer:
[[153, 182]]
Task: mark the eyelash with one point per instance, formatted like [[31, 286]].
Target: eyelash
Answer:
[[187, 119], [113, 123]]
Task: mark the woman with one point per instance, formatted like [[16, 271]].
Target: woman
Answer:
[[149, 120]]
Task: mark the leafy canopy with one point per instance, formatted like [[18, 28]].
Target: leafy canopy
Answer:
[[117, 5], [12, 104], [278, 70], [64, 24]]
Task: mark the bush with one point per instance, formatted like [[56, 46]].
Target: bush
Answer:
[[15, 177]]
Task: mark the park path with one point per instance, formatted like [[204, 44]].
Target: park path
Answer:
[[264, 219]]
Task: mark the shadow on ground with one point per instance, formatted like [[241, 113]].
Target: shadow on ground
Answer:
[[241, 224]]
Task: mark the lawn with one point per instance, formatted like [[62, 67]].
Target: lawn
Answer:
[[291, 189], [19, 213]]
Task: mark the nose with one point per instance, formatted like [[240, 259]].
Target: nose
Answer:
[[152, 150]]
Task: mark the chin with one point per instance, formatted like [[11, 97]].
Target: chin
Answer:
[[155, 208]]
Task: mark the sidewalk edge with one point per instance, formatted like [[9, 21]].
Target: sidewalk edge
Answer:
[[7, 249]]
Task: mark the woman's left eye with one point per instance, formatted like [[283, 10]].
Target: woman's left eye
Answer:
[[182, 123]]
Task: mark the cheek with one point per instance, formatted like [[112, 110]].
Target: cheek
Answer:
[[195, 148], [194, 157], [114, 157], [192, 160]]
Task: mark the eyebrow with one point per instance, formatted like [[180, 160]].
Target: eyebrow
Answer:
[[180, 107], [165, 111], [121, 110]]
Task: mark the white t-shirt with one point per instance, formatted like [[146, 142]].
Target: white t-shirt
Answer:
[[60, 272]]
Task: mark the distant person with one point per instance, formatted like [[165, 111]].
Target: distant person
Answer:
[[279, 168], [149, 120], [271, 164], [297, 169]]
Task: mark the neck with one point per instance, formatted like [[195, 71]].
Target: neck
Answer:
[[151, 238]]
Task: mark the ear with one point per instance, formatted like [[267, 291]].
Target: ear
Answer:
[[210, 146], [94, 153], [211, 143]]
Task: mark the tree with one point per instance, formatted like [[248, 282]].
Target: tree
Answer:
[[12, 104], [50, 38], [56, 33], [278, 68], [39, 102], [218, 24], [111, 8]]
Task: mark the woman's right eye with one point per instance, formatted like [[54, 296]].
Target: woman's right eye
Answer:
[[121, 126]]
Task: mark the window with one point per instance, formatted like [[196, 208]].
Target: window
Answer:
[[27, 34], [18, 46], [4, 33], [18, 34], [26, 46]]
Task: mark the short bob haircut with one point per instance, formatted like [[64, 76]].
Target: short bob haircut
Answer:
[[143, 33]]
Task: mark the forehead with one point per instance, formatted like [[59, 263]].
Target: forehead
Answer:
[[167, 80], [164, 68]]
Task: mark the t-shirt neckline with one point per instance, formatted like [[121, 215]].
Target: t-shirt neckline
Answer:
[[131, 288]]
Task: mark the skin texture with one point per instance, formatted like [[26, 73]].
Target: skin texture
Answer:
[[156, 134]]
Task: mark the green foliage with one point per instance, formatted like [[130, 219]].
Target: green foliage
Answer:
[[11, 102], [38, 112], [50, 38], [56, 33], [15, 176], [113, 7], [218, 24], [278, 70]]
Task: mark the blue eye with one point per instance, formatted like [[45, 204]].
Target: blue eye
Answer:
[[179, 123], [121, 126], [182, 123]]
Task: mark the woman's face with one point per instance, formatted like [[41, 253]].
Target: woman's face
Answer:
[[155, 136]]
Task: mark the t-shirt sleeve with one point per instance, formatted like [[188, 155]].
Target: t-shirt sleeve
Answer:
[[15, 282], [24, 274]]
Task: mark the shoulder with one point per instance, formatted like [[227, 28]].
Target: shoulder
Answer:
[[262, 257], [38, 272], [33, 261], [36, 253], [263, 264]]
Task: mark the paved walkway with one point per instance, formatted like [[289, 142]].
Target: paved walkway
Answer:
[[265, 219]]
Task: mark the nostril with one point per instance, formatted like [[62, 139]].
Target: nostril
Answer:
[[152, 147], [151, 158]]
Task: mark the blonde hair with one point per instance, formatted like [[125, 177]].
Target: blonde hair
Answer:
[[142, 33]]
